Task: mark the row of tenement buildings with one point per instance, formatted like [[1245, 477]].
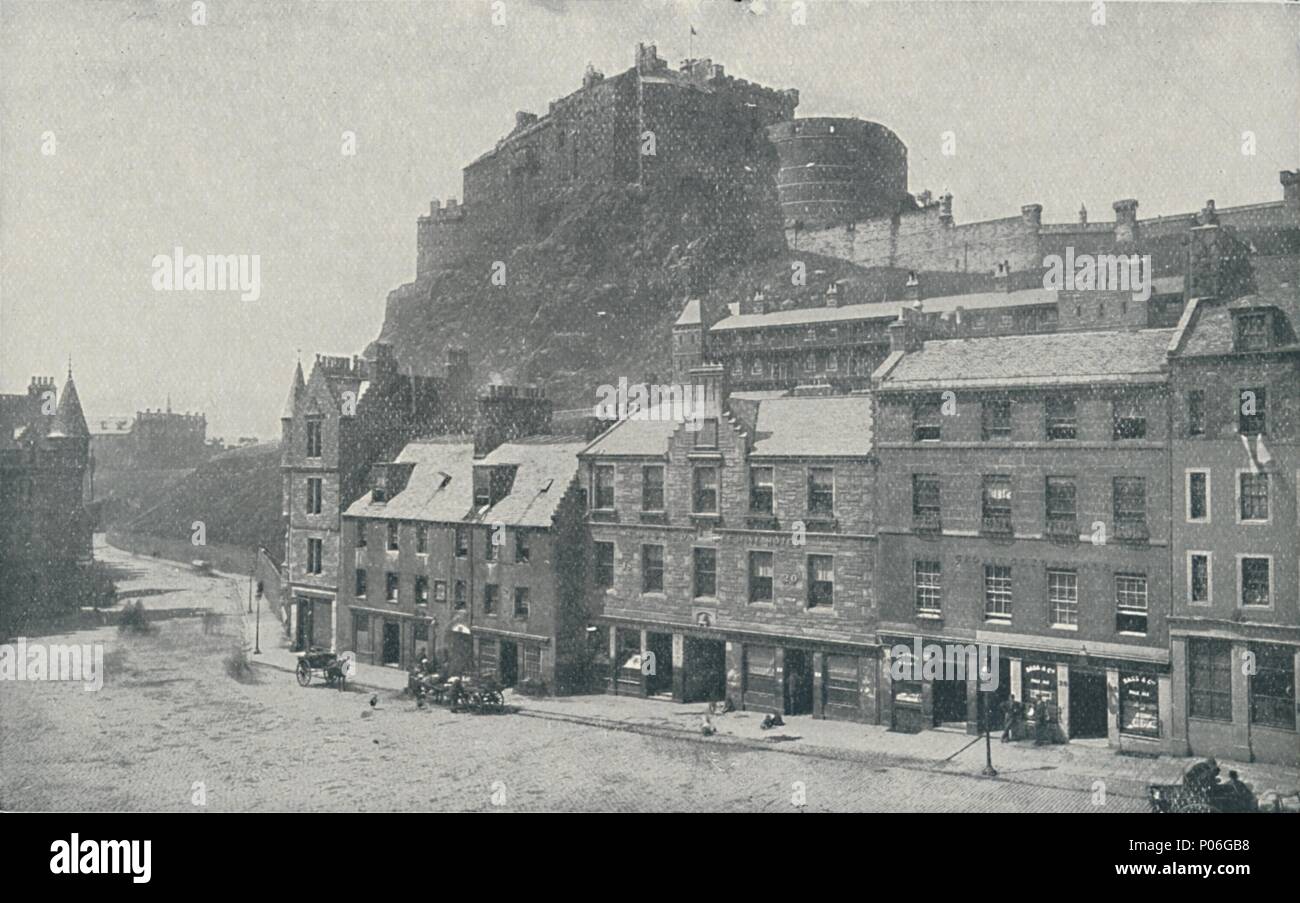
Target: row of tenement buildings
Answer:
[[1102, 486], [937, 450]]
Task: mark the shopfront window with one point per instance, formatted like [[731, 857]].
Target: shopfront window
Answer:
[[1039, 683], [1139, 709], [1209, 679], [1272, 686]]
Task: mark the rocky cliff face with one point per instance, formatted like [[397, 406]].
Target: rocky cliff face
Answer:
[[595, 297]]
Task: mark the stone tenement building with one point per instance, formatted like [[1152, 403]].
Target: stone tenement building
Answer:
[[351, 414], [704, 126], [46, 476], [478, 561], [162, 438]]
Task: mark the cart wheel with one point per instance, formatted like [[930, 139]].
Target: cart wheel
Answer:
[[304, 674]]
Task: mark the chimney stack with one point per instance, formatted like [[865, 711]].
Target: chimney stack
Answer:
[[905, 332], [945, 209], [1290, 187], [1126, 224], [713, 377], [912, 289]]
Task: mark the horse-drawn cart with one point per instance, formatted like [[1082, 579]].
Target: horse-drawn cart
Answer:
[[458, 693], [333, 668]]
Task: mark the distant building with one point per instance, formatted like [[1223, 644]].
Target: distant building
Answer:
[[46, 476], [150, 439]]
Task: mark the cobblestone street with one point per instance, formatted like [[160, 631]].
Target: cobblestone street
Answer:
[[177, 711]]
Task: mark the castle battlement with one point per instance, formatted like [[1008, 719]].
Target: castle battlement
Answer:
[[338, 365], [593, 136], [187, 420], [500, 392]]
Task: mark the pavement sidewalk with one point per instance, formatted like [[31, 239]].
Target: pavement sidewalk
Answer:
[[1078, 765]]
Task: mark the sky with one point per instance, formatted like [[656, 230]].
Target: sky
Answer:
[[227, 138]]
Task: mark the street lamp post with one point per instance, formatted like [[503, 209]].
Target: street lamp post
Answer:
[[257, 630], [251, 570], [989, 771]]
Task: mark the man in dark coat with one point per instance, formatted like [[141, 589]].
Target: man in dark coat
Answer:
[[1010, 716]]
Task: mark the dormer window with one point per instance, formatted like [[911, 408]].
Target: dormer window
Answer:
[[1252, 331]]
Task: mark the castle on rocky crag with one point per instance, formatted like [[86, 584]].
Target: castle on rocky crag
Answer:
[[683, 129]]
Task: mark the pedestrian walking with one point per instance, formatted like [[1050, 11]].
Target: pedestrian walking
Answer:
[[1010, 715]]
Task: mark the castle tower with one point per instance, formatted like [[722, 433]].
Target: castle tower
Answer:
[[837, 170]]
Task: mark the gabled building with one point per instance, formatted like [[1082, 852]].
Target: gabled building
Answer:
[[1025, 495], [1235, 624], [479, 561], [350, 414], [734, 555], [46, 528]]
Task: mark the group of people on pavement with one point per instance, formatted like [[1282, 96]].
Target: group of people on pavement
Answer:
[[1015, 715]]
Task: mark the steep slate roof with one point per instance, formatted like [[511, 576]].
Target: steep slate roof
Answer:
[[690, 315], [636, 438], [1211, 331], [70, 420], [295, 392], [889, 310], [1040, 359], [441, 486], [817, 426], [547, 465]]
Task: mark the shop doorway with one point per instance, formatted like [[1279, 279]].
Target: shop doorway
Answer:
[[459, 651], [706, 670], [304, 624], [508, 664], [1087, 704], [949, 701], [659, 669], [798, 682], [392, 649]]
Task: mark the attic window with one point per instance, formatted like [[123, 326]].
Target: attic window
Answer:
[[1252, 331], [378, 494]]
